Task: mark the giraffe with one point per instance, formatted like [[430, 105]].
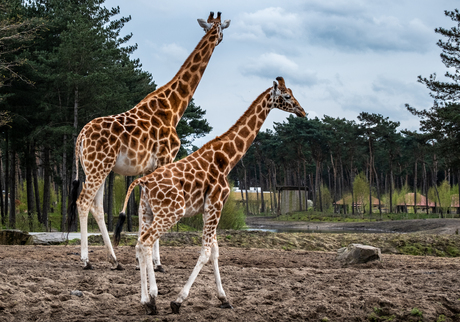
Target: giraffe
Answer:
[[139, 140], [198, 184]]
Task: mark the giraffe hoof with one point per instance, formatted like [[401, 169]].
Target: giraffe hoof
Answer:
[[88, 266], [118, 268], [151, 307], [226, 305], [159, 268], [175, 307]]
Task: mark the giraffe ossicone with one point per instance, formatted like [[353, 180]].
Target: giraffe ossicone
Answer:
[[137, 141], [198, 184]]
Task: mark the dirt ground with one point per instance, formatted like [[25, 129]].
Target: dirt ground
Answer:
[[261, 284]]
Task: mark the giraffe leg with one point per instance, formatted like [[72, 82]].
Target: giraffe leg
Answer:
[[220, 290], [83, 216], [85, 202], [144, 256], [98, 212], [203, 259], [145, 220], [156, 257]]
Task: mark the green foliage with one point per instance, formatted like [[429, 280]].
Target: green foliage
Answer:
[[326, 199], [361, 190], [416, 312]]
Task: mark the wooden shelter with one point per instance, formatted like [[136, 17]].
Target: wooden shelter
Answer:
[[421, 204], [343, 204]]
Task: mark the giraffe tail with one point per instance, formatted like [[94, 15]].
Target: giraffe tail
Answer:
[[72, 210], [122, 214]]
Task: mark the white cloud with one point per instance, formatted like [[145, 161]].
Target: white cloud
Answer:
[[266, 24], [174, 52], [271, 65]]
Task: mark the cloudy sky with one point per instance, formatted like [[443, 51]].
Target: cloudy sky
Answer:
[[339, 57]]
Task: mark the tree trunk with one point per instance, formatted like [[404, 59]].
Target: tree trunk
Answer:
[[64, 185], [7, 178], [415, 186], [2, 203], [46, 187], [299, 181], [391, 186], [30, 188], [36, 186], [75, 132], [318, 180], [378, 191], [110, 183], [262, 185], [12, 217]]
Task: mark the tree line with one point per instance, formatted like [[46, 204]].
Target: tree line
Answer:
[[63, 63]]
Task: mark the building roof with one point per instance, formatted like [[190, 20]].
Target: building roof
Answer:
[[421, 200], [347, 201]]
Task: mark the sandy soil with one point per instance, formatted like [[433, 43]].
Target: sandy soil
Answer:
[[262, 285]]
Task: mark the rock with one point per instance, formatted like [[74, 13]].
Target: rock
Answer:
[[77, 293], [54, 238], [15, 237], [358, 254]]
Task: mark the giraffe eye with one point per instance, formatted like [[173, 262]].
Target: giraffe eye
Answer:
[[287, 96]]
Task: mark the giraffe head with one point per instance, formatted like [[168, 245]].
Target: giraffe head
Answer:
[[281, 97], [216, 23]]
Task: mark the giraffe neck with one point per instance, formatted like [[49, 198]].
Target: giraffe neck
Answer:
[[231, 146], [177, 93]]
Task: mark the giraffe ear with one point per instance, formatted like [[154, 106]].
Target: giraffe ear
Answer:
[[225, 24], [275, 88], [206, 26]]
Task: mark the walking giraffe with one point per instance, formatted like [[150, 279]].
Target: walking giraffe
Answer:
[[198, 184], [139, 140]]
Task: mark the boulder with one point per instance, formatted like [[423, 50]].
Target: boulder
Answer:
[[358, 254], [15, 237]]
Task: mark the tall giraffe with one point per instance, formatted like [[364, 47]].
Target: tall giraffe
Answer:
[[198, 184], [139, 140]]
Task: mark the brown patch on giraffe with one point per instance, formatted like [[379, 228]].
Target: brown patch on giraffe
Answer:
[[112, 139], [144, 125], [187, 185], [229, 149], [137, 132], [116, 128], [194, 82], [220, 160], [239, 144], [203, 163], [91, 157], [174, 99], [173, 86], [213, 171], [197, 57], [167, 91], [244, 132], [252, 122], [194, 68], [155, 121], [186, 76], [129, 128], [183, 89]]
